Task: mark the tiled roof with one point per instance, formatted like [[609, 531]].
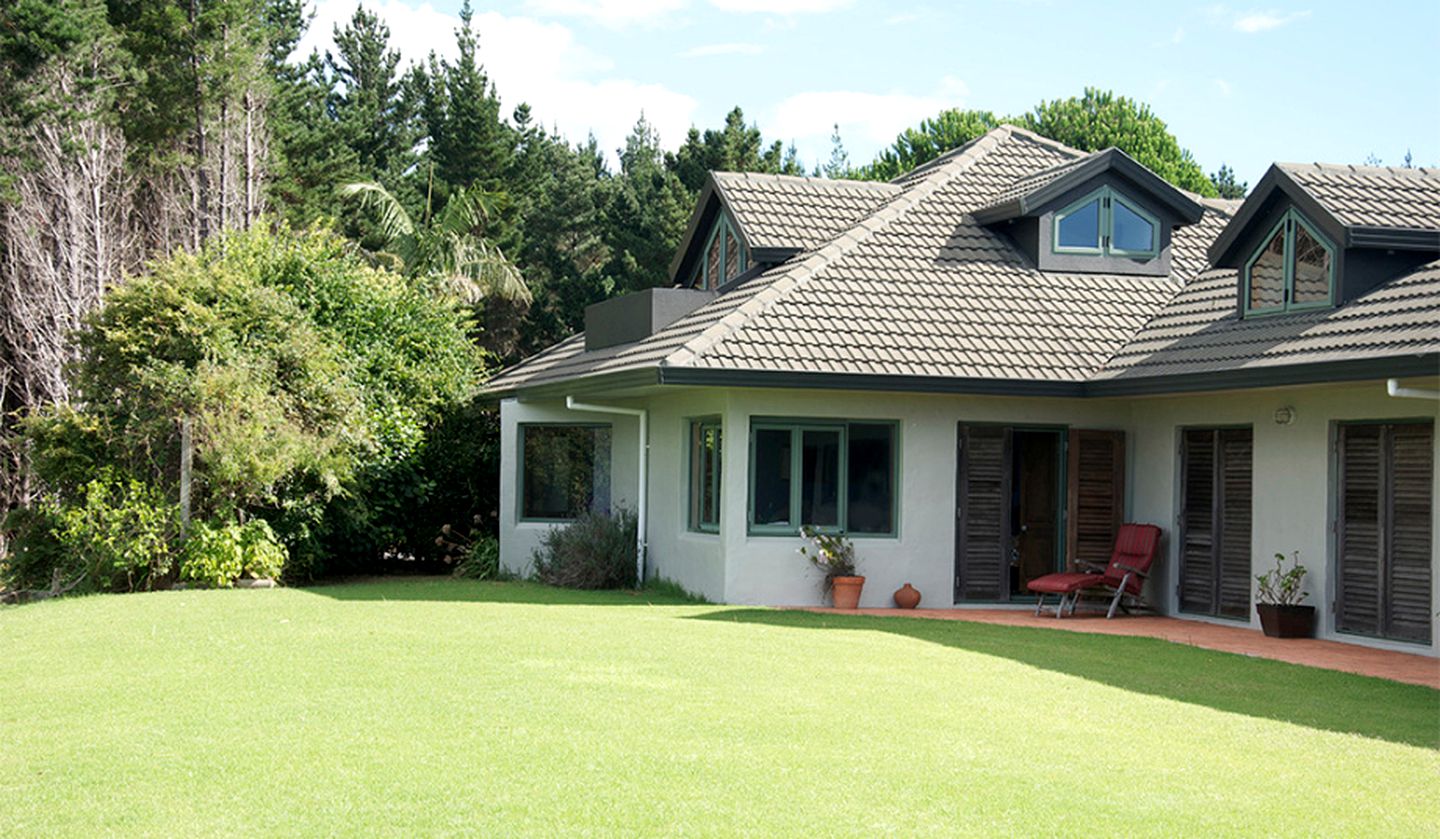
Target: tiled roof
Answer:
[[915, 287], [783, 211], [1198, 332], [1030, 183], [1371, 195]]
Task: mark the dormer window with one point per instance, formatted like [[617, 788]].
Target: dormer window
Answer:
[[1293, 269], [1105, 223], [725, 257]]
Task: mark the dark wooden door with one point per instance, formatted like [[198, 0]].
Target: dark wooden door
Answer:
[[982, 513], [1383, 533], [1095, 497], [1215, 521], [1038, 453]]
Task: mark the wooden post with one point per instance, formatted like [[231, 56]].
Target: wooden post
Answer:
[[186, 453]]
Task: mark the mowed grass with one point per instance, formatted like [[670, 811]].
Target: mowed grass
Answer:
[[425, 707]]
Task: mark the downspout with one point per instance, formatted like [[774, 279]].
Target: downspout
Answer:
[[1392, 387], [643, 504]]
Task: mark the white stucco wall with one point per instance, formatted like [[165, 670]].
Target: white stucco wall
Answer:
[[518, 539], [1293, 480]]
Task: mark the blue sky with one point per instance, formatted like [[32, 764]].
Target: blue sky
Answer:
[[1243, 84]]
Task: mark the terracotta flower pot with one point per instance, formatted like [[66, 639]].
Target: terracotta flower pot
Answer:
[[907, 597], [845, 591], [1286, 621]]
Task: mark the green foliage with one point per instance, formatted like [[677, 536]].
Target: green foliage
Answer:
[[1094, 121], [474, 554], [309, 377], [735, 148], [1281, 586], [950, 129], [1099, 119], [832, 553], [216, 555], [121, 530], [596, 551], [1227, 186]]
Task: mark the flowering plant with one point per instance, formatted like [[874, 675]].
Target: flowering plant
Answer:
[[832, 553]]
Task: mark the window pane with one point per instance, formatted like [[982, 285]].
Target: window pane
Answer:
[[566, 471], [772, 476], [1267, 274], [1080, 228], [712, 263], [705, 475], [732, 256], [871, 474], [820, 478], [1312, 269], [1130, 231]]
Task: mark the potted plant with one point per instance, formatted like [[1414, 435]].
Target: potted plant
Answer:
[[1281, 615], [834, 555]]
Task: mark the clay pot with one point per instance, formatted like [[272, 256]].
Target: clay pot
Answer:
[[907, 597], [845, 591]]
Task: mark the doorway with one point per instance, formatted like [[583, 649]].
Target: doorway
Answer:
[[1010, 488]]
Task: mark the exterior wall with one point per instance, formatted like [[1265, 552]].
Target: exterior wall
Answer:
[[518, 539], [1293, 481], [767, 569]]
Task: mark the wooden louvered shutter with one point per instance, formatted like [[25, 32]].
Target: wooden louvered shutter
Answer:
[[1408, 512], [1235, 447], [982, 527], [1198, 523], [1096, 498], [1384, 533], [1215, 521], [1358, 586]]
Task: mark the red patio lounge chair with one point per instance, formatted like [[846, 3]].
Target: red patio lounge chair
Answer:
[[1135, 549]]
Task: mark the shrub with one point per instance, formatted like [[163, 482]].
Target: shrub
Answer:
[[595, 551], [475, 555], [218, 555], [120, 530]]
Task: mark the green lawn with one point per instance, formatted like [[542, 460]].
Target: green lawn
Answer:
[[437, 707]]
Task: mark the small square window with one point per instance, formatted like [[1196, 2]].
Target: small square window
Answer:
[[564, 471]]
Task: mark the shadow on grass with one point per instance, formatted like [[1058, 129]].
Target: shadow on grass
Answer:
[[1308, 696], [456, 590]]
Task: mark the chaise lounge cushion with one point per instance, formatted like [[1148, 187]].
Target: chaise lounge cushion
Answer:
[[1066, 583]]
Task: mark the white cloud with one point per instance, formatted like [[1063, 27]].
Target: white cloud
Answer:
[[566, 84], [780, 7], [722, 49], [612, 13], [867, 120], [1252, 22]]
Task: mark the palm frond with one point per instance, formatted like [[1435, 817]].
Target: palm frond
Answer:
[[382, 206], [467, 210], [478, 270]]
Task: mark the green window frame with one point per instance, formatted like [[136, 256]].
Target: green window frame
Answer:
[[1108, 198], [706, 446], [724, 256], [847, 434], [583, 462], [1289, 225]]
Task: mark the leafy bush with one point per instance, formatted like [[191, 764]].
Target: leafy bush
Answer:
[[216, 555], [475, 555], [595, 551], [119, 533], [310, 380]]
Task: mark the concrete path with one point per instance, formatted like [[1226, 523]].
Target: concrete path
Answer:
[[1332, 655]]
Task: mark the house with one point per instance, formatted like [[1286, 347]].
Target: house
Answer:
[[980, 369]]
